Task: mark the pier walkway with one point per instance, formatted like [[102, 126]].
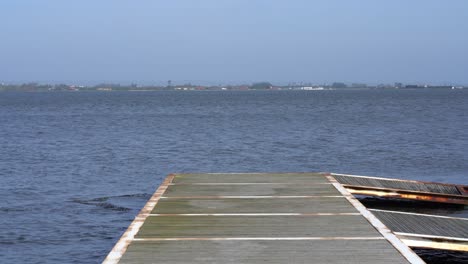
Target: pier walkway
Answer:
[[257, 218]]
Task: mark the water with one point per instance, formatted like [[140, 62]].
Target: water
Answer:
[[75, 168]]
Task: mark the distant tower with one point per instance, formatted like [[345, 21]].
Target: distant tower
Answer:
[[169, 84]]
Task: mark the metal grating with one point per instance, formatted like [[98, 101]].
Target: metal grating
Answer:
[[401, 185], [423, 224]]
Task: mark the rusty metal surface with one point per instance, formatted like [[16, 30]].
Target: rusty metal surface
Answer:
[[404, 189], [399, 184], [409, 195]]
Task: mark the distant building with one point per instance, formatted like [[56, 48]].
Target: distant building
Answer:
[[339, 85], [359, 85], [412, 86]]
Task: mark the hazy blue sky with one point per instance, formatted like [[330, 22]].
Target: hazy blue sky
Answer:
[[146, 41]]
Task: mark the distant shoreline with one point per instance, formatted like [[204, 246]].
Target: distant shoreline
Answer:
[[189, 89], [258, 86]]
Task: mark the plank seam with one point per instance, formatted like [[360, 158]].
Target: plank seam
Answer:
[[251, 197], [262, 214], [252, 183], [255, 238]]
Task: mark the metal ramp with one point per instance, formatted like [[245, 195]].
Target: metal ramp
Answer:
[[404, 189], [426, 231]]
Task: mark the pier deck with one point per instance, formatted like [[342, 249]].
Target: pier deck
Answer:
[[257, 218]]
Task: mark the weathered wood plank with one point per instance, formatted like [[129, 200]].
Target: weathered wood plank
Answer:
[[233, 252], [250, 205], [249, 190], [290, 178], [256, 226]]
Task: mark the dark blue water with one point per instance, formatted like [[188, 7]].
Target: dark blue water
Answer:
[[75, 168]]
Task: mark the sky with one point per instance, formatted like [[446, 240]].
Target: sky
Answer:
[[234, 41]]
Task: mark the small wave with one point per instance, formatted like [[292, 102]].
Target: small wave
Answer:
[[12, 209], [102, 202], [135, 195], [103, 205]]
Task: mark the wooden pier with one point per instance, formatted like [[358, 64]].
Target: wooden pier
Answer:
[[257, 218]]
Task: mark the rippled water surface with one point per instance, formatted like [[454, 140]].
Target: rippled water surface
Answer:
[[75, 168]]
